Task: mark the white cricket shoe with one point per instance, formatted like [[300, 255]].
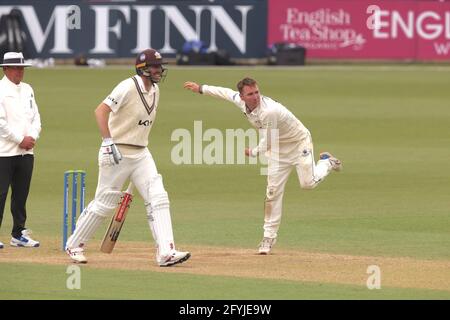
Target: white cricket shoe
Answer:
[[173, 258], [76, 254], [1, 245], [336, 164], [24, 240], [266, 245]]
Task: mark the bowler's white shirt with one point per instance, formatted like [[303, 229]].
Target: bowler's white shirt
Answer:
[[19, 117], [268, 115]]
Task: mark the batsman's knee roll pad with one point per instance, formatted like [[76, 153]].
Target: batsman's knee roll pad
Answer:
[[158, 201], [157, 194], [106, 202]]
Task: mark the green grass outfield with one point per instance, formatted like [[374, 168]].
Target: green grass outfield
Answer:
[[390, 125]]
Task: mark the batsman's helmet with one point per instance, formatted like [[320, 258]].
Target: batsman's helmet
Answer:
[[146, 59]]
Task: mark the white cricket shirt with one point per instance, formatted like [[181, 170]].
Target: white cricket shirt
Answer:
[[131, 119], [19, 117], [268, 115]]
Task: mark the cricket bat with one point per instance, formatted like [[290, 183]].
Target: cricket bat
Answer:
[[112, 234]]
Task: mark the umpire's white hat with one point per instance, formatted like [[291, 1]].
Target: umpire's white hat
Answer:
[[14, 59]]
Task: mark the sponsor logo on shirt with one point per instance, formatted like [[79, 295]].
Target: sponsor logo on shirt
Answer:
[[145, 123], [112, 100]]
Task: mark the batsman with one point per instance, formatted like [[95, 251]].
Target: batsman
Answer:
[[125, 119]]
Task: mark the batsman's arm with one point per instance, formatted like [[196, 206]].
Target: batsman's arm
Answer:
[[102, 116], [110, 154]]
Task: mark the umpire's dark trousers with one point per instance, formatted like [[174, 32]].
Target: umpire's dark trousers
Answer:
[[16, 172]]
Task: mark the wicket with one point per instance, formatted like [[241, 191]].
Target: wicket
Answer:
[[74, 174]]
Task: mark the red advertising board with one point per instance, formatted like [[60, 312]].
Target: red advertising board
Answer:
[[363, 29]]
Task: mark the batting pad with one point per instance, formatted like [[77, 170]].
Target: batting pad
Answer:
[[92, 217], [159, 220], [106, 202], [85, 229]]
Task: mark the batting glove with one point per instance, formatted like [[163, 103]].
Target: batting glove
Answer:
[[109, 153]]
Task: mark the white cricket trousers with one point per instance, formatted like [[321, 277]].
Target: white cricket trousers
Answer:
[[298, 155], [141, 170]]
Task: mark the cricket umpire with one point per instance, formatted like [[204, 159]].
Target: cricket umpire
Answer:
[[20, 125], [285, 141], [125, 119]]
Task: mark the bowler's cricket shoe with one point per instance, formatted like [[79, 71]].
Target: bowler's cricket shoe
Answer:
[[77, 255], [24, 240], [1, 245], [336, 164], [266, 245], [174, 258]]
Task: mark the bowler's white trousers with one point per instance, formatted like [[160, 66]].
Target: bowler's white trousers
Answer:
[[298, 155], [141, 170]]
